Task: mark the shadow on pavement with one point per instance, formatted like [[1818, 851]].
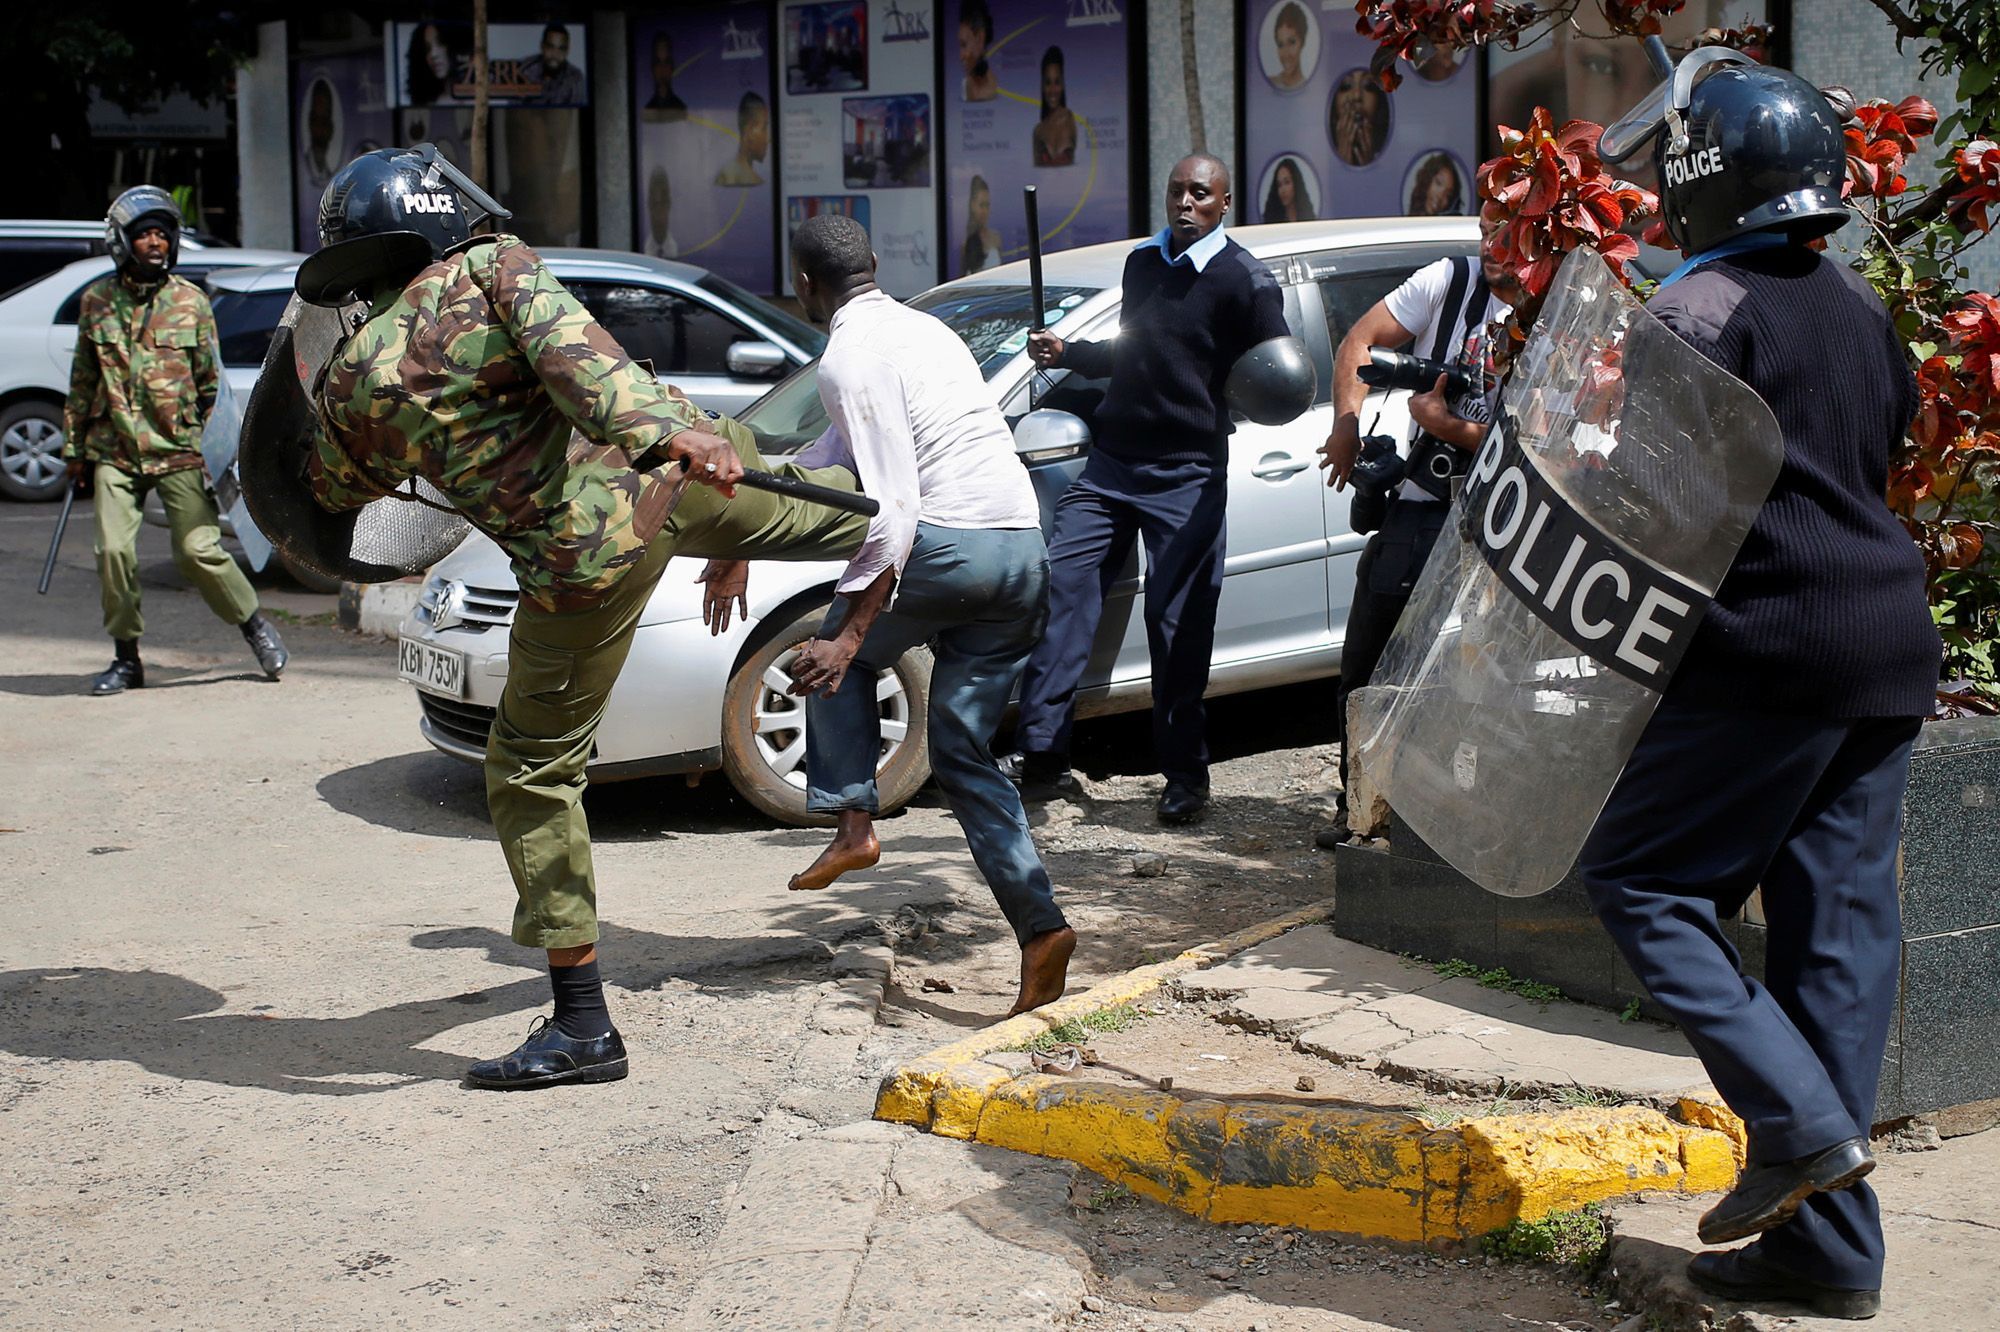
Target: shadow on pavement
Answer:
[[59, 686]]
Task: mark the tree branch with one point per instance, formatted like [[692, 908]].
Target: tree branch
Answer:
[[1905, 26]]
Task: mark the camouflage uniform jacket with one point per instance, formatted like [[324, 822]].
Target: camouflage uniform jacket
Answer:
[[144, 376], [488, 379]]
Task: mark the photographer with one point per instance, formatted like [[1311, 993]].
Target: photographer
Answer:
[[1448, 309]]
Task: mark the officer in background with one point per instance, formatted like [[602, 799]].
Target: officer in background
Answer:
[[141, 385], [1780, 750], [1449, 310], [1194, 302], [476, 371]]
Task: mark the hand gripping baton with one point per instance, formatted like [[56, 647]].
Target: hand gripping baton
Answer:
[[55, 542], [845, 500]]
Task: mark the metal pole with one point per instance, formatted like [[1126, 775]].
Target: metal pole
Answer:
[[55, 542]]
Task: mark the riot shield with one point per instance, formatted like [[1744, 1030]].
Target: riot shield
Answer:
[[1620, 477], [218, 455], [387, 539]]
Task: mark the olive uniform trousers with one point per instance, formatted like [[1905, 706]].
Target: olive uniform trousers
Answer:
[[197, 542], [561, 666]]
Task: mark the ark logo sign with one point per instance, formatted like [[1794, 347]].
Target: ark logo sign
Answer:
[[905, 25], [741, 43], [1092, 13]]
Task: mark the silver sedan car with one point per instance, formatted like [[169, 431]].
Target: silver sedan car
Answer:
[[688, 702]]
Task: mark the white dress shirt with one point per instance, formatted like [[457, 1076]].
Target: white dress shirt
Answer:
[[920, 427]]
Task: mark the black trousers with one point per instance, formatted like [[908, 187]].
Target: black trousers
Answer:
[[1177, 509], [1383, 581], [1712, 805]]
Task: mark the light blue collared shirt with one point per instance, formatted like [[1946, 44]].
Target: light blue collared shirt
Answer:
[[1197, 254]]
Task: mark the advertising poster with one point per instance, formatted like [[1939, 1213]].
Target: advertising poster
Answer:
[[1321, 137], [858, 128], [527, 64], [343, 112], [701, 132], [1036, 92]]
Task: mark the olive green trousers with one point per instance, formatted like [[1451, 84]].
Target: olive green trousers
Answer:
[[197, 540], [561, 666]]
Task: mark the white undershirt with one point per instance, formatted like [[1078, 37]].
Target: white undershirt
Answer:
[[920, 426]]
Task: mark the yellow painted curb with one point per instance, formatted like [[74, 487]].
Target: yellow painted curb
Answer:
[[1382, 1174]]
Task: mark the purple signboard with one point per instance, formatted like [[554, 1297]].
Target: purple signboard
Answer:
[[701, 133], [343, 112], [1036, 92], [1322, 139]]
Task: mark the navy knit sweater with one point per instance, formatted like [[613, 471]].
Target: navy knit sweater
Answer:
[[1179, 332], [1823, 612]]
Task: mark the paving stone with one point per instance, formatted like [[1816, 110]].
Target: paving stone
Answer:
[[1313, 958]]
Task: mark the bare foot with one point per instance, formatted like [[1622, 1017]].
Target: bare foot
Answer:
[[853, 848], [1044, 969]]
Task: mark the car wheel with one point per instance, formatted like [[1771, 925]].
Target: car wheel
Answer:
[[764, 728], [31, 442]]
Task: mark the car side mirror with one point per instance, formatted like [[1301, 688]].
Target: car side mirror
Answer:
[[1048, 435], [756, 360]]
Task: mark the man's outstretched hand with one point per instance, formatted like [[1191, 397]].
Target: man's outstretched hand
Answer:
[[710, 459], [726, 584]]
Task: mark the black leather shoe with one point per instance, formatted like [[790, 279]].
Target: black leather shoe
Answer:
[[1181, 803], [548, 1057], [262, 636], [1741, 1276], [124, 672], [1041, 777], [1769, 1195]]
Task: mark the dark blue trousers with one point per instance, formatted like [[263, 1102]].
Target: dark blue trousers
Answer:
[[1177, 510], [1712, 806]]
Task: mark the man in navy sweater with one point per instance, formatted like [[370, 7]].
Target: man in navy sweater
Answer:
[[1780, 750], [1194, 301]]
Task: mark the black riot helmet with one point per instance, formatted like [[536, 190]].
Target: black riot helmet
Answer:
[[1739, 147], [132, 212], [386, 216]]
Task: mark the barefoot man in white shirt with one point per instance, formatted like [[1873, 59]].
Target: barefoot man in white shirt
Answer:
[[955, 558]]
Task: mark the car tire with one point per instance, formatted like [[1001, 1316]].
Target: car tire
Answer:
[[31, 442], [763, 728]]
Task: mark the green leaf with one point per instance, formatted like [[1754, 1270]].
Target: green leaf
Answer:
[[1923, 351], [1973, 80]]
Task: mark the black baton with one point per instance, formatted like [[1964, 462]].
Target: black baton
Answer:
[[55, 542], [845, 500], [1035, 323]]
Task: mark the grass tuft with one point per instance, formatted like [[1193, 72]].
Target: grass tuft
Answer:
[[1575, 1239], [1078, 1030]]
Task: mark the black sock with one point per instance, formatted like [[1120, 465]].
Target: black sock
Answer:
[[581, 1013]]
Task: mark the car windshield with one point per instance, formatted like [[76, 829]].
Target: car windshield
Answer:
[[809, 339], [993, 321], [244, 322]]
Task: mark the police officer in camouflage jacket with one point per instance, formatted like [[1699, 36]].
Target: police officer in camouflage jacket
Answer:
[[476, 371], [141, 385]]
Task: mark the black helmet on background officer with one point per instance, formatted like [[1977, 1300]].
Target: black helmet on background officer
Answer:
[[132, 213], [1273, 383], [385, 217], [1739, 147]]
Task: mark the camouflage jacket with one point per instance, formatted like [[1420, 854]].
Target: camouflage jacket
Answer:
[[488, 379], [144, 376]]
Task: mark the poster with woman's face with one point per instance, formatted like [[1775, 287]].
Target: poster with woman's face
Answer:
[[1437, 185], [1324, 133]]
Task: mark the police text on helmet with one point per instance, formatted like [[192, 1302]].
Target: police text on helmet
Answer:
[[441, 202], [1680, 170]]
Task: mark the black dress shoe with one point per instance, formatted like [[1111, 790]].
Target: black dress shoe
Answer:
[[124, 672], [548, 1057], [1041, 777], [1769, 1195], [1741, 1276], [263, 639], [1181, 803]]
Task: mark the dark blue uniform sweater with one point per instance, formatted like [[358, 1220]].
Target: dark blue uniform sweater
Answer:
[[1823, 612], [1179, 332]]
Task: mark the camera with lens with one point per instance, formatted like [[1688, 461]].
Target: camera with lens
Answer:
[[1388, 369], [1377, 471]]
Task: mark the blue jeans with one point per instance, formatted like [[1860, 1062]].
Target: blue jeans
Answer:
[[1711, 806], [979, 597]]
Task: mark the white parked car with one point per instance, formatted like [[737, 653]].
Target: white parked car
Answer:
[[37, 340], [688, 702]]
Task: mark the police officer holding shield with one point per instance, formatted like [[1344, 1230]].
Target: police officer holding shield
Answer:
[[1448, 310], [1779, 752]]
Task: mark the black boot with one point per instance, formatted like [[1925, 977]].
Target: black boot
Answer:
[[548, 1058], [262, 636], [1041, 777], [125, 671]]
